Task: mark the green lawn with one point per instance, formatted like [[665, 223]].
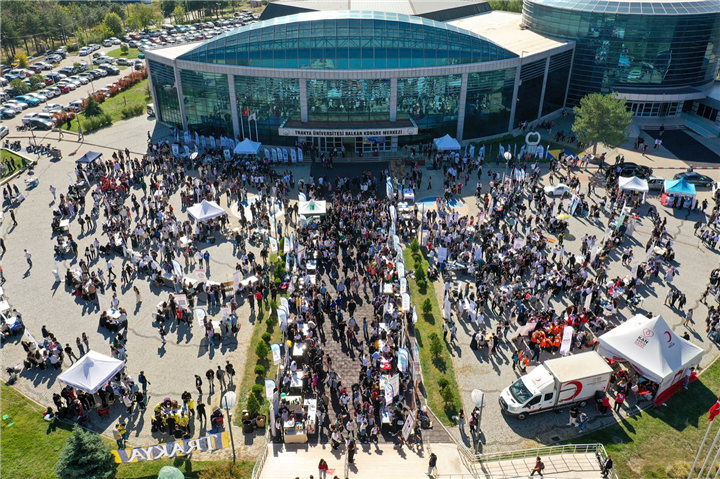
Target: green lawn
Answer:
[[135, 95], [433, 368], [9, 157], [117, 53], [662, 442], [29, 447]]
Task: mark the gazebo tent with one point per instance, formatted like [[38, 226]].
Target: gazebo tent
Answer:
[[247, 147], [91, 372], [446, 143], [633, 184], [654, 350], [88, 157], [680, 187], [312, 208], [206, 210]]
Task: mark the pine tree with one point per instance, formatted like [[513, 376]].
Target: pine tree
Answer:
[[86, 455]]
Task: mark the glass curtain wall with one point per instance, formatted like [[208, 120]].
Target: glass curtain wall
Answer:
[[432, 102], [166, 94], [488, 103], [207, 102], [558, 72], [654, 50], [272, 100], [348, 100]]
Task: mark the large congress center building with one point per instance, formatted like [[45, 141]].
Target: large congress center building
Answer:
[[368, 74]]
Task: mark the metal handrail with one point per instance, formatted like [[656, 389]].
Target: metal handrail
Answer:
[[260, 462]]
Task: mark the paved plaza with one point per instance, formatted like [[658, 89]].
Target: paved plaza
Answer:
[[171, 367]]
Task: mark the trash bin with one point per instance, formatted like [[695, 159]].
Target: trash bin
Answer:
[[260, 421], [247, 426]]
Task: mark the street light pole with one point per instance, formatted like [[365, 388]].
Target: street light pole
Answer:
[[228, 402]]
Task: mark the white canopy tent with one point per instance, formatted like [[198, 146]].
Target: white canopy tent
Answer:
[[91, 372], [312, 208], [633, 184], [205, 211], [446, 143], [653, 349], [247, 147]]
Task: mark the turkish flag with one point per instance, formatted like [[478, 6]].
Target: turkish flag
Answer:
[[714, 410]]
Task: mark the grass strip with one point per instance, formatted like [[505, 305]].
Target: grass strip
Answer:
[[136, 95]]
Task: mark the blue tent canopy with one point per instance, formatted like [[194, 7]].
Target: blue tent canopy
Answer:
[[88, 157], [680, 187]]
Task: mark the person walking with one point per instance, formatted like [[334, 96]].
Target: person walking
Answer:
[[142, 379], [52, 191], [70, 353], [460, 418], [28, 258], [607, 466], [12, 217], [210, 375], [619, 400], [201, 412], [198, 384], [539, 466], [432, 465], [230, 370], [322, 469], [220, 374], [117, 435]]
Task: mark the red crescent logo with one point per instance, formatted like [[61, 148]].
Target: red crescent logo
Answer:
[[579, 387], [669, 336]]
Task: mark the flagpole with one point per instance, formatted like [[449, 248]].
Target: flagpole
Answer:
[[242, 126], [717, 453], [257, 137], [712, 446]]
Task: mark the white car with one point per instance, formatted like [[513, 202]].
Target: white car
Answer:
[[39, 95], [107, 43], [52, 107], [40, 116], [85, 51], [94, 47], [124, 61], [83, 81], [16, 105], [4, 131], [556, 190]]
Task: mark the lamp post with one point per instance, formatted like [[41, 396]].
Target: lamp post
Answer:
[[508, 156], [228, 402]]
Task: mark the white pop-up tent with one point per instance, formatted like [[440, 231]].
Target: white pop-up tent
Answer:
[[446, 143], [654, 350], [633, 184], [91, 372], [206, 210], [312, 208], [247, 147]]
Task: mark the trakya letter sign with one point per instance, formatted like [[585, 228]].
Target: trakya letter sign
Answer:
[[211, 442]]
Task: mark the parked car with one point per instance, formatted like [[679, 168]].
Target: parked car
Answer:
[[6, 112], [66, 87], [83, 81], [43, 116], [41, 124], [655, 182], [107, 43], [43, 65], [4, 131], [139, 64], [103, 60], [16, 105], [51, 107], [77, 105], [94, 46], [99, 73], [124, 61], [41, 95], [111, 70], [53, 59], [28, 99], [85, 51], [694, 178], [69, 71], [628, 169], [556, 190]]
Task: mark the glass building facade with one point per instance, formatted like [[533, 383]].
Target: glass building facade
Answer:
[[348, 100], [207, 102], [432, 103], [632, 44], [272, 100], [489, 102], [167, 104]]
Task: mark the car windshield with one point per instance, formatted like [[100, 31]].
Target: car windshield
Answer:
[[520, 392]]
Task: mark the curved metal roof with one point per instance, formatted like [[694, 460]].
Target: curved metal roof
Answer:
[[636, 7], [347, 39]]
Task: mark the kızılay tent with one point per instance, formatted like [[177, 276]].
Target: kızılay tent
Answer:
[[654, 350], [680, 187], [633, 184], [205, 211], [88, 157], [247, 147], [312, 208], [446, 143], [91, 372]]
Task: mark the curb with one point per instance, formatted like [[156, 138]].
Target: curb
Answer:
[[686, 168]]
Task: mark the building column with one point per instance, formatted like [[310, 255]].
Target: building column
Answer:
[[542, 94], [461, 107], [178, 84], [233, 106], [567, 85], [516, 87], [393, 99], [303, 100]]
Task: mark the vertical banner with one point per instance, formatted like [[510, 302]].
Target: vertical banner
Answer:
[[269, 388], [409, 425], [406, 302], [285, 155], [414, 315], [203, 142], [389, 188], [403, 359], [213, 142], [176, 149], [566, 341], [401, 271], [226, 153], [186, 137], [472, 151], [200, 275], [267, 153], [389, 393], [182, 302], [442, 253], [237, 277], [275, 347], [187, 150], [286, 244], [301, 156], [273, 245], [293, 155], [274, 155]]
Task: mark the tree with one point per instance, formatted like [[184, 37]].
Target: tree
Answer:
[[253, 405], [92, 107], [179, 14], [426, 306], [114, 23], [142, 16], [601, 119], [118, 10], [436, 345], [85, 455], [262, 350], [19, 87], [167, 7], [22, 60], [36, 80]]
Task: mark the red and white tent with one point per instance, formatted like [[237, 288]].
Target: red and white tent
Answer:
[[653, 349]]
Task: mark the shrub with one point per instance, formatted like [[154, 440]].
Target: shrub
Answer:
[[94, 122], [426, 306], [436, 345], [133, 110], [266, 337], [414, 246], [259, 370], [124, 48], [270, 323], [257, 390], [253, 405], [22, 60], [262, 350], [422, 284], [92, 107], [448, 395], [85, 455], [36, 80], [19, 87], [416, 257], [443, 382], [72, 47], [420, 274]]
